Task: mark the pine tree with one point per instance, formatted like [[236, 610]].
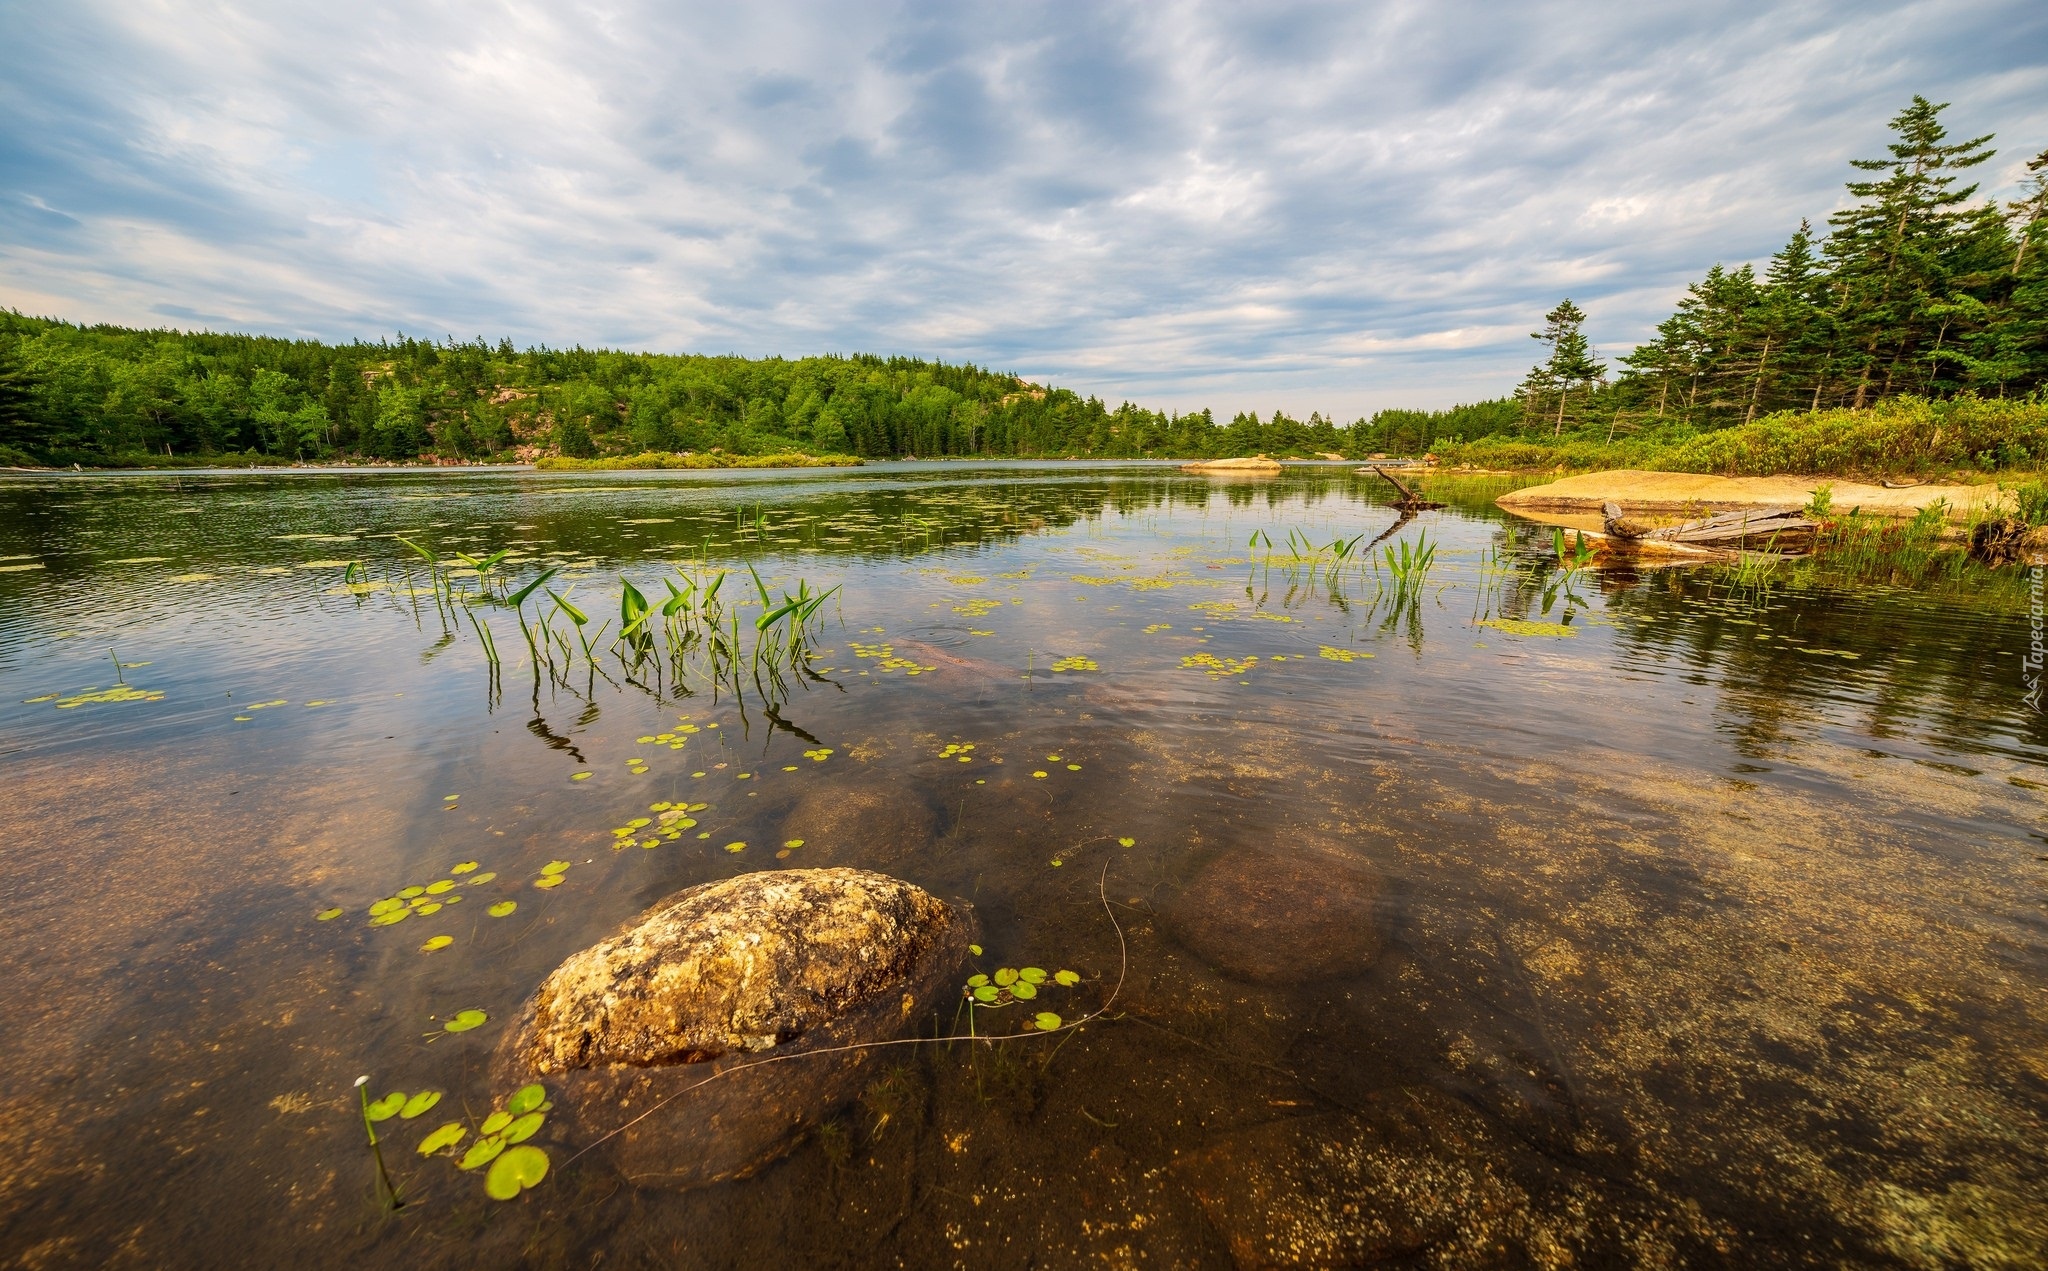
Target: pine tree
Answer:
[[1891, 251], [1570, 365]]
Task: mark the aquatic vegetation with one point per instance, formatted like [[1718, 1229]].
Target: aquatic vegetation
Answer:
[[97, 696], [1075, 663], [502, 1135], [1525, 627], [1007, 986], [1219, 667], [382, 1111], [464, 1021]]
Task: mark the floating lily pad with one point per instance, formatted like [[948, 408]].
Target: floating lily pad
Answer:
[[436, 942], [385, 906], [1066, 979], [987, 993], [407, 893], [1047, 1020], [436, 888], [387, 1107], [419, 1103], [1127, 842], [431, 907], [328, 915], [502, 908], [1005, 976], [976, 981], [481, 879], [464, 868], [523, 1128], [482, 1152], [1023, 990], [526, 1099], [554, 867], [444, 1136], [464, 1021], [548, 880], [515, 1171], [974, 949], [1032, 975], [496, 1121], [396, 915]]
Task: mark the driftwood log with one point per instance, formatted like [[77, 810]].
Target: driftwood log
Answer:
[[1410, 500], [1725, 529]]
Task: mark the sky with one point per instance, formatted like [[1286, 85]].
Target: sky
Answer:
[[1243, 206]]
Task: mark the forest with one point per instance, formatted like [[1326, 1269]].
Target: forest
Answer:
[[1918, 290]]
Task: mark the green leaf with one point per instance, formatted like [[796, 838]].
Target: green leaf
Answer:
[[555, 867], [435, 943], [518, 598], [419, 1103], [576, 615], [1023, 990], [514, 1172], [987, 993], [387, 1107], [482, 1152], [497, 1121], [328, 915], [1066, 979], [976, 981], [465, 1020], [1047, 1020], [390, 904], [445, 1136], [1032, 974], [1006, 976], [526, 1099], [502, 908], [974, 949], [524, 1128]]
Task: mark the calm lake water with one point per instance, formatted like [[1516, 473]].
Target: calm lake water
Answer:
[[1682, 922]]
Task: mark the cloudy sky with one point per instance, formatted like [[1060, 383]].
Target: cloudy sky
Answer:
[[1244, 206]]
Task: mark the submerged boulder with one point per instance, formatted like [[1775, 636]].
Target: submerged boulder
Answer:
[[1281, 916], [868, 825], [771, 972]]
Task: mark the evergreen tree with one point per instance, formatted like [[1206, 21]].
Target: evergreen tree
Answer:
[[1571, 363]]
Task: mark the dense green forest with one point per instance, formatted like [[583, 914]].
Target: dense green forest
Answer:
[[98, 394], [1917, 290]]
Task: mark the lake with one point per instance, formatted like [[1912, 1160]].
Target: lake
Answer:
[[1477, 912]]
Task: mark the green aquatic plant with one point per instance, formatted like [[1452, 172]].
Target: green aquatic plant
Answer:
[[380, 1111], [515, 1165]]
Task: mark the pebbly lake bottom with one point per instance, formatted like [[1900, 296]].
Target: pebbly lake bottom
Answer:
[[1702, 928]]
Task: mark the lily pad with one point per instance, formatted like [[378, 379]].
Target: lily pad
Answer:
[[481, 879], [482, 1152], [1066, 979], [1032, 975], [408, 893], [437, 942], [515, 1171], [496, 1121], [1006, 976], [439, 886], [976, 981], [445, 1136], [386, 1108], [465, 1020], [328, 915], [523, 1128], [546, 881], [419, 1103], [1047, 1020], [464, 868], [554, 867], [1023, 990], [502, 908], [387, 905], [396, 915], [526, 1099], [987, 993]]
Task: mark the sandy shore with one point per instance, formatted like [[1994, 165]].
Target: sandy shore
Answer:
[[1686, 492]]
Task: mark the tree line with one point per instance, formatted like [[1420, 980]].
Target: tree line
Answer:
[[99, 394], [1917, 288]]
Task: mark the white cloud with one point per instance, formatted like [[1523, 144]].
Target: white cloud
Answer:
[[1318, 207]]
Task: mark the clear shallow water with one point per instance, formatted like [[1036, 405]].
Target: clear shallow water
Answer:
[[1709, 932]]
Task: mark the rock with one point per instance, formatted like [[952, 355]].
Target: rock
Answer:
[[1413, 1169], [1281, 916], [1259, 466], [2007, 541], [766, 972], [870, 826]]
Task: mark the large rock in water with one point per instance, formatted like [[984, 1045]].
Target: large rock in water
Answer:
[[767, 972], [1281, 916]]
